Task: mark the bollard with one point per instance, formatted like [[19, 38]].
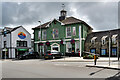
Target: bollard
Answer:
[[95, 59]]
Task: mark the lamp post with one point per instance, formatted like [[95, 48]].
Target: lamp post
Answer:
[[118, 47], [64, 46], [109, 47], [40, 37]]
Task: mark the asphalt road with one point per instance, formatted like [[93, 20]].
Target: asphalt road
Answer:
[[48, 69]]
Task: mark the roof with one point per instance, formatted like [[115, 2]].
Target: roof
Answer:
[[71, 20], [68, 20], [13, 29], [42, 26], [101, 34]]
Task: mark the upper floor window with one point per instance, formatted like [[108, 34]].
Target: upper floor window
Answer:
[[55, 33], [114, 39], [93, 40], [44, 34], [39, 34], [68, 31], [21, 43], [74, 31], [103, 40]]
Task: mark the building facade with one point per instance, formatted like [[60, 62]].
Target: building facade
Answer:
[[98, 42], [15, 41], [66, 35]]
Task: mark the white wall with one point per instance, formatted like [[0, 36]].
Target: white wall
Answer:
[[15, 37]]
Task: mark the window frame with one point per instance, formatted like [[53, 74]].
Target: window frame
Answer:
[[55, 33], [73, 32], [21, 44], [44, 36], [67, 32]]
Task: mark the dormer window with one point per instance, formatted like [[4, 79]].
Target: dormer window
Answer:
[[93, 40], [103, 40], [114, 39]]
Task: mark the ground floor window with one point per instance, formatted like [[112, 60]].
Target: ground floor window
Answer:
[[68, 47], [93, 50], [103, 52], [77, 46], [114, 51]]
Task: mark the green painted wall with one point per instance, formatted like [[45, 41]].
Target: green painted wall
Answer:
[[62, 34]]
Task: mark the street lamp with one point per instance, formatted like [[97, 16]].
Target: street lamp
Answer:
[[109, 46], [118, 47], [40, 37]]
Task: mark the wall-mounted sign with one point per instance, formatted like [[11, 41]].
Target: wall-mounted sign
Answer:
[[21, 35]]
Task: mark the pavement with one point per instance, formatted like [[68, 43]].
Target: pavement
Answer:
[[101, 59]]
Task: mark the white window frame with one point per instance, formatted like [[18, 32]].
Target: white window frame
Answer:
[[57, 45], [55, 33], [66, 32], [67, 45], [114, 39], [39, 34], [93, 40], [77, 43], [103, 40], [44, 36], [73, 32]]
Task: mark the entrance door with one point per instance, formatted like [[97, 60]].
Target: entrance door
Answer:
[[55, 46]]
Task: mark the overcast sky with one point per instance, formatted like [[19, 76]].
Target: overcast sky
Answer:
[[99, 15]]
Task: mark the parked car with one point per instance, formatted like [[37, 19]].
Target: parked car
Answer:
[[48, 55], [88, 55], [52, 54], [29, 55]]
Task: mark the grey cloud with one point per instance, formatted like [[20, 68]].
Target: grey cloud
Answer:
[[101, 16]]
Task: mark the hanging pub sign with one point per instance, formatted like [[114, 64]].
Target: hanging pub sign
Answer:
[[48, 43], [61, 42], [72, 41], [21, 35], [40, 44]]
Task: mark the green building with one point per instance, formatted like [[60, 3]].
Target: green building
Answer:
[[66, 35]]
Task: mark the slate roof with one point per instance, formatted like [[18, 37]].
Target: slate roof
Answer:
[[42, 26], [13, 29], [68, 20], [71, 20], [100, 34]]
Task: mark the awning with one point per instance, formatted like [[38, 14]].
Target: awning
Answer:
[[104, 37], [114, 36], [22, 49]]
